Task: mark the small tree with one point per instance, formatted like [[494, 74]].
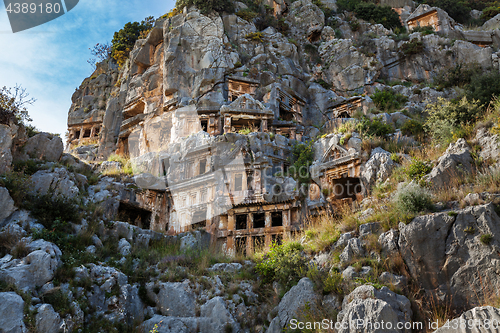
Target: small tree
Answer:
[[13, 104], [446, 117], [99, 52], [124, 40]]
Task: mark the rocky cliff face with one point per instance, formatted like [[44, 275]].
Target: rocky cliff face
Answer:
[[211, 128]]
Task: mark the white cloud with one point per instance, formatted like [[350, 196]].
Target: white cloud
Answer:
[[50, 60]]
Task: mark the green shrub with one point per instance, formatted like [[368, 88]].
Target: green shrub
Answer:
[[490, 12], [384, 15], [414, 46], [427, 30], [19, 186], [412, 198], [124, 40], [412, 127], [300, 161], [28, 167], [247, 14], [53, 212], [388, 100], [375, 127], [458, 75], [371, 12], [484, 86], [255, 36], [417, 169], [207, 6], [333, 283], [284, 264], [59, 301], [458, 10], [486, 238], [447, 119]]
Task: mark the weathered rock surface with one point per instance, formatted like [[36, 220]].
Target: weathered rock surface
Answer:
[[455, 162], [374, 306], [490, 147], [58, 182], [295, 300], [353, 249], [175, 299], [6, 203], [220, 318], [45, 147], [481, 320], [446, 255], [11, 313], [36, 269], [5, 148], [47, 320], [378, 168]]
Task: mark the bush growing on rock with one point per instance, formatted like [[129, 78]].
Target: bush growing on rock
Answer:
[[417, 169], [371, 12], [388, 100], [447, 119], [413, 127], [284, 264], [412, 198], [375, 127], [124, 40], [206, 7], [484, 86], [414, 46]]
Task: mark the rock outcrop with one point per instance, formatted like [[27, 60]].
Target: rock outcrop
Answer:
[[455, 162], [11, 313], [454, 255], [483, 319], [371, 305]]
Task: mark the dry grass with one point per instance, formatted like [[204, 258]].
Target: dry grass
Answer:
[[126, 166]]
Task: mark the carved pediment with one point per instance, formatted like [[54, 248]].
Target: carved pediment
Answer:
[[245, 102], [334, 152]]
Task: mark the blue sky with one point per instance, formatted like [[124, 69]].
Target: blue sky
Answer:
[[50, 60]]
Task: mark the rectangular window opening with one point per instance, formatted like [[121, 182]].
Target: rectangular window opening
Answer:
[[259, 220], [241, 222], [203, 165], [277, 219]]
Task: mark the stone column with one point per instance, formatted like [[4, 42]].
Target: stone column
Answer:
[[227, 124], [263, 125]]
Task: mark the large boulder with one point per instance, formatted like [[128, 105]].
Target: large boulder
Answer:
[[6, 204], [482, 320], [5, 148], [455, 162], [297, 299], [175, 299], [490, 147], [353, 249], [36, 269], [59, 182], [454, 256], [162, 324], [47, 320], [220, 317], [11, 313], [306, 19], [378, 168], [371, 305], [44, 146]]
